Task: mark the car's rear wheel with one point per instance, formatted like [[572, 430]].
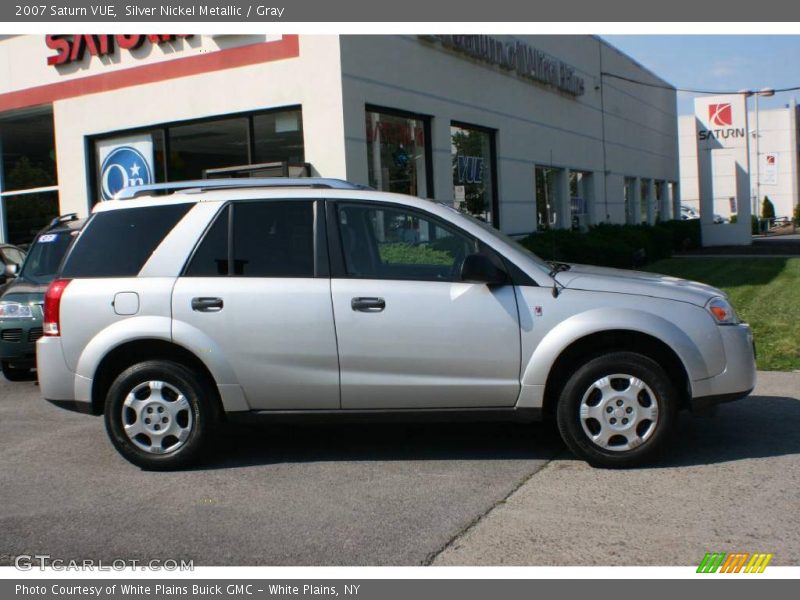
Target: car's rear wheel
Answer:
[[13, 373], [617, 410], [158, 415]]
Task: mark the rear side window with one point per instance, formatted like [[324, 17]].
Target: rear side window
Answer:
[[118, 243], [270, 239], [273, 239], [211, 257]]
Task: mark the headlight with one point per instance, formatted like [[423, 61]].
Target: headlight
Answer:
[[722, 311], [15, 310]]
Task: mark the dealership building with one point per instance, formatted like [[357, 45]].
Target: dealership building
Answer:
[[772, 162], [526, 132]]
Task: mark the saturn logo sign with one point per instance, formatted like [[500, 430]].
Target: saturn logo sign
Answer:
[[720, 115], [123, 167]]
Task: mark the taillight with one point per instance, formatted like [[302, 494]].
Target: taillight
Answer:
[[52, 306]]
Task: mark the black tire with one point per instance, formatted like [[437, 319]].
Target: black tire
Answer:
[[17, 374], [582, 384], [199, 418]]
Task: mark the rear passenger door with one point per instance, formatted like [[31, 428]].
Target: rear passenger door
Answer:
[[258, 288]]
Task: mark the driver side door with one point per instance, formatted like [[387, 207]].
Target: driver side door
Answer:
[[411, 334]]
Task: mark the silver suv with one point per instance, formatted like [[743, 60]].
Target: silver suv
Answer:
[[179, 306]]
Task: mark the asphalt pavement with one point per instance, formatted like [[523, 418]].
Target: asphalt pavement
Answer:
[[403, 494]]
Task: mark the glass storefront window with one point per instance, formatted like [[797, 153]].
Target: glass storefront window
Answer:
[[27, 164], [278, 136], [644, 193], [28, 151], [473, 171], [184, 151], [580, 191], [630, 194], [209, 145], [659, 200], [398, 153], [546, 207], [26, 214]]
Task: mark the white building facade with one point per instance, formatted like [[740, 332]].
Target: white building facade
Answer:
[[527, 132], [773, 173]]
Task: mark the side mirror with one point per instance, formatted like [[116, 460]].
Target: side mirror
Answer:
[[479, 268], [10, 271]]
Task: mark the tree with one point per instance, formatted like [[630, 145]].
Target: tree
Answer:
[[767, 209]]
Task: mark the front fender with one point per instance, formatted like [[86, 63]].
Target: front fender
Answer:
[[606, 319]]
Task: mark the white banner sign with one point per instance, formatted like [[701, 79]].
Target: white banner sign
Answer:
[[769, 169], [124, 162]]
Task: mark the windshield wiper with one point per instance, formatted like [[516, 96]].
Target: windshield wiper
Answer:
[[558, 267]]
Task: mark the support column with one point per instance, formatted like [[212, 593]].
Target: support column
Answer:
[[636, 201], [3, 223], [676, 200], [651, 202], [665, 205]]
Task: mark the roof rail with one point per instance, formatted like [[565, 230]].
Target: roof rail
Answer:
[[63, 219], [129, 193]]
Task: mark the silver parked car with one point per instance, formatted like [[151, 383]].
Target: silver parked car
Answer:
[[290, 298]]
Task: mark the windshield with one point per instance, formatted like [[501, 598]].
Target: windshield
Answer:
[[45, 256], [507, 239]]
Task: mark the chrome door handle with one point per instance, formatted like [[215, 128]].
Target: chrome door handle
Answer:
[[207, 304], [368, 304]]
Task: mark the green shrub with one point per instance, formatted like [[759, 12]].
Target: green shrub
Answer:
[[408, 254], [685, 235], [622, 246], [767, 209], [754, 224], [797, 214]]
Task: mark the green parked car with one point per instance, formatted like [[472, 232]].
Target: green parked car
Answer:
[[21, 300]]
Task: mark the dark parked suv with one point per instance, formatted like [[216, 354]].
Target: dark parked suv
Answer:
[[21, 301]]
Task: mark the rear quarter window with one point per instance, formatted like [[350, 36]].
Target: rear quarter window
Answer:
[[118, 243]]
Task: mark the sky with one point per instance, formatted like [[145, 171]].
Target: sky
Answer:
[[719, 62]]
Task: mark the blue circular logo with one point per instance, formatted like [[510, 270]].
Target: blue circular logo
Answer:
[[123, 167]]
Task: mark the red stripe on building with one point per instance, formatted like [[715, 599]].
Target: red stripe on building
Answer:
[[287, 47]]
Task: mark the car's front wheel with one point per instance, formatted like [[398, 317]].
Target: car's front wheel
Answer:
[[617, 410], [158, 415]]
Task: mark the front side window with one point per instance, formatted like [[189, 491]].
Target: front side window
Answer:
[[398, 153], [395, 243]]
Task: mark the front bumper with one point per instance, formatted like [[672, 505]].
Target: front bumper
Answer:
[[738, 378], [18, 341]]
